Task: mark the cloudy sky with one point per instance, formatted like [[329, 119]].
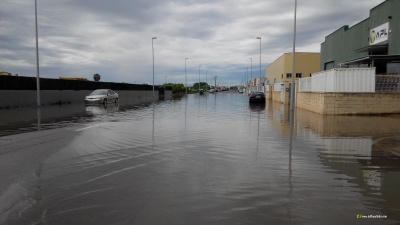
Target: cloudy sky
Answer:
[[78, 38]]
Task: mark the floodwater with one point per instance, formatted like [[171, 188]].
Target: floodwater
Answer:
[[210, 159]]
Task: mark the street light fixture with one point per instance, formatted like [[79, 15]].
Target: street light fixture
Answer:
[[152, 47], [186, 75]]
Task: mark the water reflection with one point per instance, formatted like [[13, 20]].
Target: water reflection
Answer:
[[225, 162], [256, 107], [364, 148], [39, 118], [101, 109], [27, 119]]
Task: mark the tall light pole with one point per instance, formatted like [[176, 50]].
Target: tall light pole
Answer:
[[260, 60], [247, 81], [251, 68], [199, 78], [206, 80], [260, 55], [293, 59], [215, 84], [37, 60], [186, 75], [247, 77], [152, 47]]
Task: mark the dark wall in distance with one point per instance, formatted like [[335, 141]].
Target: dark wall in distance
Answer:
[[29, 83]]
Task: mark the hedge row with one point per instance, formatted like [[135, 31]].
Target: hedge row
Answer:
[[29, 83]]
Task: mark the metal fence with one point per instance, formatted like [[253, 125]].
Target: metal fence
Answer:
[[340, 80], [389, 83]]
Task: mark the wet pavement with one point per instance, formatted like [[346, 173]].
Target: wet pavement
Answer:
[[209, 159]]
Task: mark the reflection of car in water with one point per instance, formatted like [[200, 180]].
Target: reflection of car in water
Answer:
[[257, 107], [101, 109], [102, 96]]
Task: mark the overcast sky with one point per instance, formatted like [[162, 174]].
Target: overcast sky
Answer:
[[78, 38]]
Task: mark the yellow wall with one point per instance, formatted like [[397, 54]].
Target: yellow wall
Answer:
[[306, 63]]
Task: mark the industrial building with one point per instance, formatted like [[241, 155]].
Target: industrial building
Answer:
[[373, 42], [360, 68], [278, 74], [281, 69]]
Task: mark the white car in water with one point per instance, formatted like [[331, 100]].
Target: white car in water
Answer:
[[102, 96]]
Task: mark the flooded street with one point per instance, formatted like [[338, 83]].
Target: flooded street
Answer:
[[202, 159]]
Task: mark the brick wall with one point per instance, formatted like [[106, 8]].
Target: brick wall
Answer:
[[349, 103]]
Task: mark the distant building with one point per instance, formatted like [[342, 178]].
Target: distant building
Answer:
[[373, 42], [281, 69], [278, 74]]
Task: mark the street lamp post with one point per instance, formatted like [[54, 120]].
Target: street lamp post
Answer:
[[37, 60], [186, 75], [199, 78], [248, 84], [251, 68], [260, 56], [206, 80], [215, 80], [152, 47], [293, 59]]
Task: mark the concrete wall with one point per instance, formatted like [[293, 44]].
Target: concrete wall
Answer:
[[19, 98], [349, 103]]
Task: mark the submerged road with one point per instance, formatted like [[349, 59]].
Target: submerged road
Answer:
[[211, 159]]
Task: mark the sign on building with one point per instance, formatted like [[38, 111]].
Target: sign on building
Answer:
[[379, 34]]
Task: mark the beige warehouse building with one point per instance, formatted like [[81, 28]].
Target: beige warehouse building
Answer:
[[278, 74], [281, 69]]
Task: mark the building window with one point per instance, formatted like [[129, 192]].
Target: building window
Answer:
[[274, 80], [298, 75], [288, 75], [282, 76]]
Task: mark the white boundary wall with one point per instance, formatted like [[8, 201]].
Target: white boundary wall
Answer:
[[340, 80]]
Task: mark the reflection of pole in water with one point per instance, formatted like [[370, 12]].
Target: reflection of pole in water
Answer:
[[291, 116], [258, 131], [39, 118], [186, 100], [291, 121], [152, 132]]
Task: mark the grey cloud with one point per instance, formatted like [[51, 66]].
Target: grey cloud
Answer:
[[114, 37]]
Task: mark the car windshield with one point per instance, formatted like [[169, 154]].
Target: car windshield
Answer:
[[99, 92]]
